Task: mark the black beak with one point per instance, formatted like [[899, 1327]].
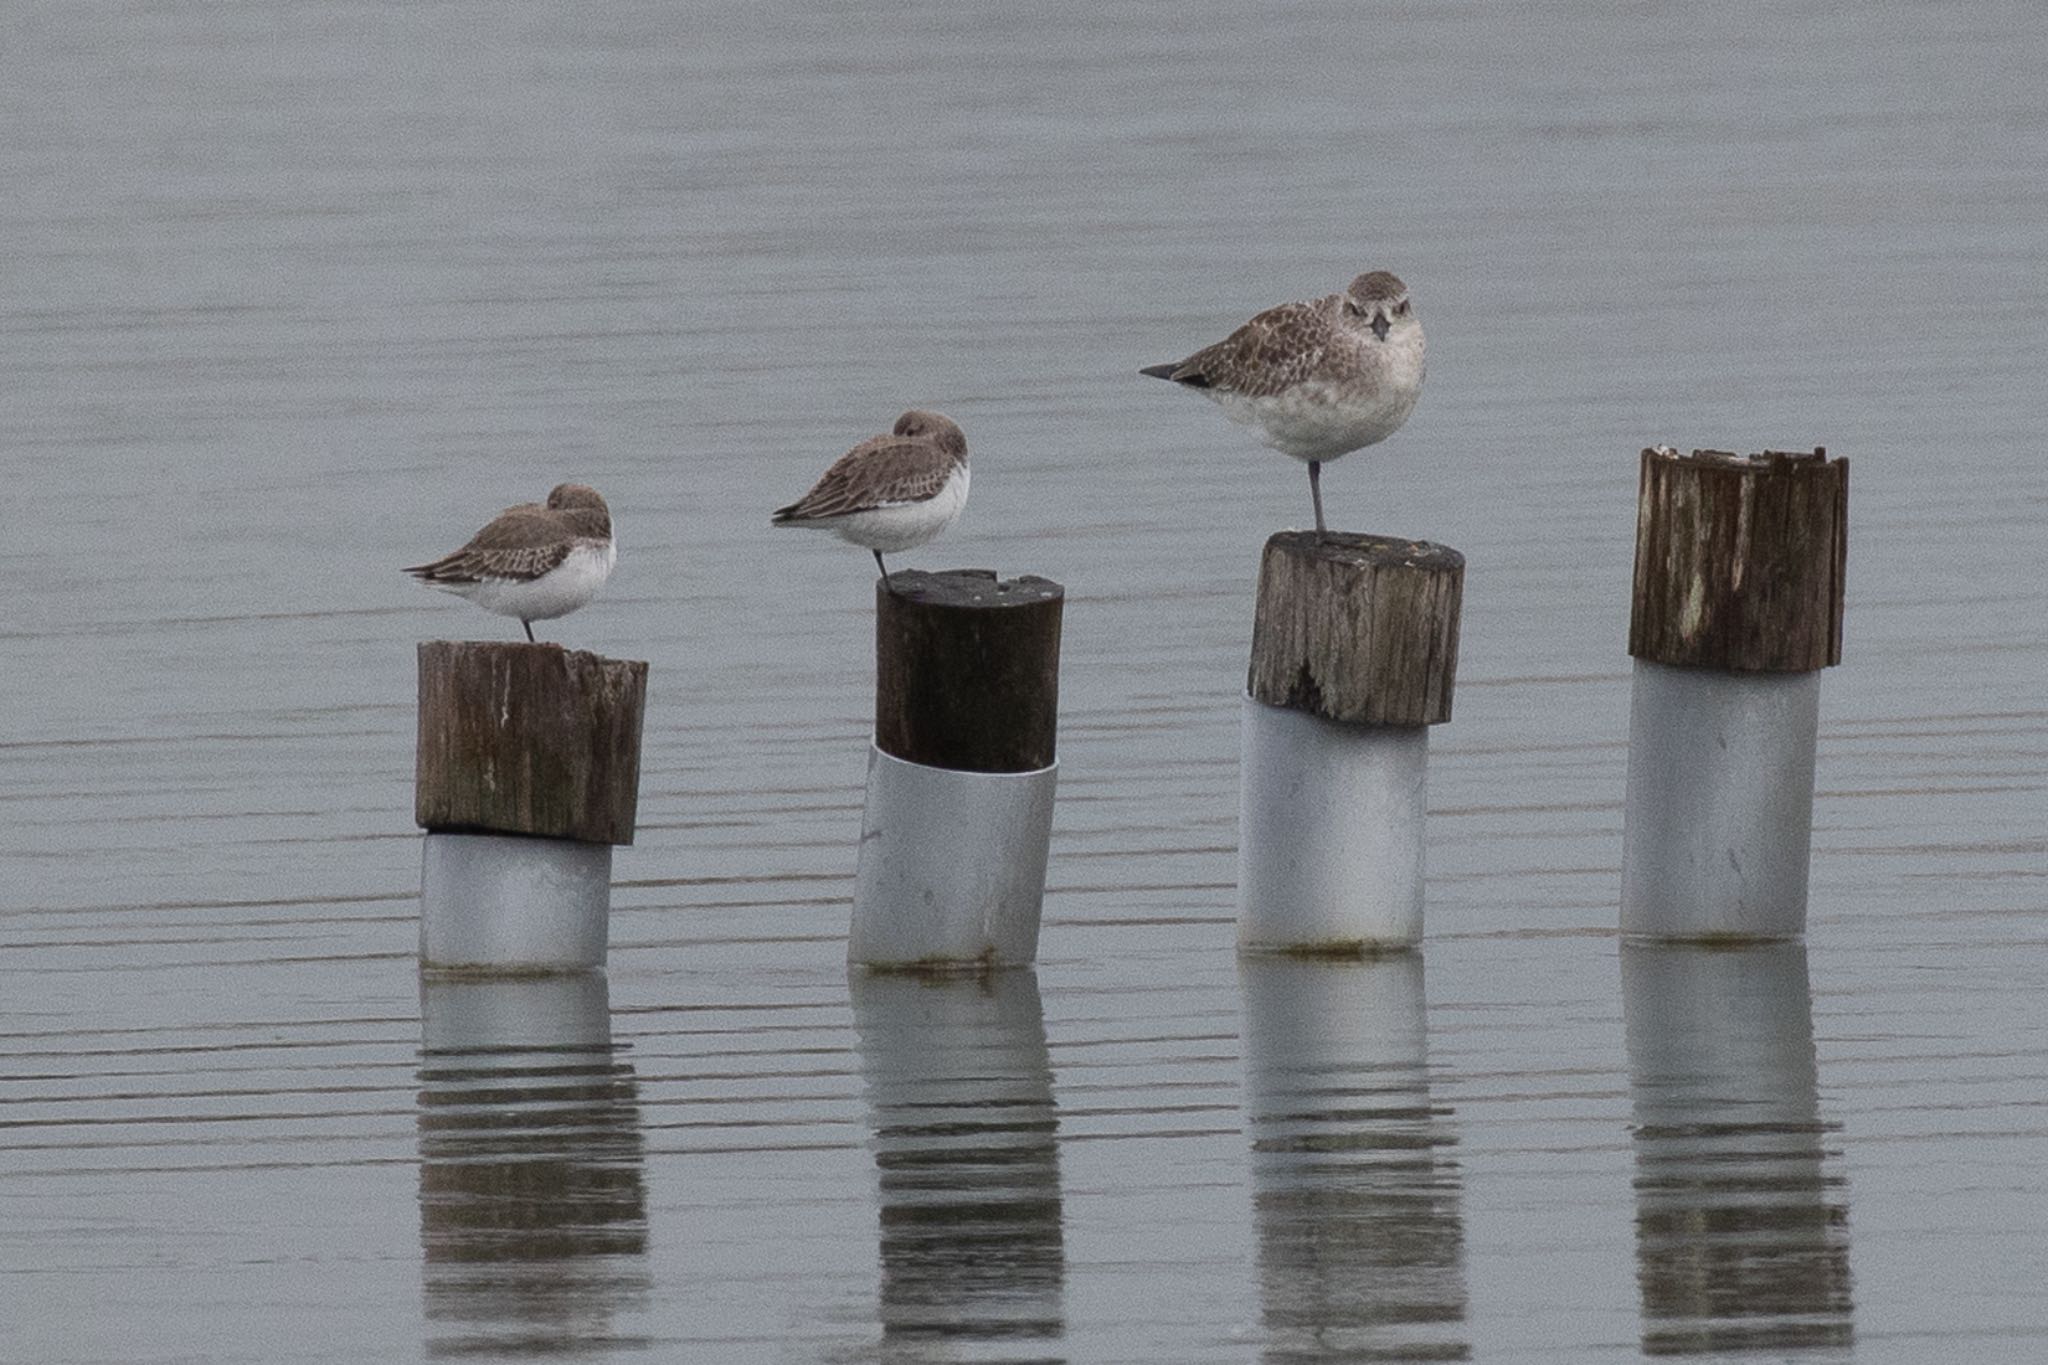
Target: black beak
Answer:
[[1380, 325]]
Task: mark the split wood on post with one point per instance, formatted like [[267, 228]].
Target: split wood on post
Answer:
[[528, 739], [1356, 628]]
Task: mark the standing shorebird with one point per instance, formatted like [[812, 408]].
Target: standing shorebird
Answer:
[[892, 492], [1322, 378], [533, 562]]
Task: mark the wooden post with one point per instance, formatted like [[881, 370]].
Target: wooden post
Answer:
[[962, 771], [1358, 629], [1739, 560], [1354, 656], [1737, 607], [528, 771], [967, 670], [528, 739]]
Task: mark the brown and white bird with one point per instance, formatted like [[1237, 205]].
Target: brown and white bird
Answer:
[[1321, 378], [534, 562], [892, 492]]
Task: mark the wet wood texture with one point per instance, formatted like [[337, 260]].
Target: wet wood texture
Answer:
[[528, 739], [1739, 560], [967, 669], [1357, 628]]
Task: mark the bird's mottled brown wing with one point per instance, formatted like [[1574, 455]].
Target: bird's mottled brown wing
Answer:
[[882, 471], [521, 542], [1270, 354]]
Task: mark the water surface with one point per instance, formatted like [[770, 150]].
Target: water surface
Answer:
[[299, 293]]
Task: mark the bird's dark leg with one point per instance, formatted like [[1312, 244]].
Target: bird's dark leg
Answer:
[[1315, 490], [529, 630], [883, 567]]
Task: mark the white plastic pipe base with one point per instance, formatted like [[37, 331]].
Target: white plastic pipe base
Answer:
[[952, 866], [508, 903], [1330, 833], [1718, 818]]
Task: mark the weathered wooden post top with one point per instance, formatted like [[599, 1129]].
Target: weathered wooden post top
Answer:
[[1354, 655], [528, 772], [1356, 628], [1739, 560], [962, 772], [1737, 606]]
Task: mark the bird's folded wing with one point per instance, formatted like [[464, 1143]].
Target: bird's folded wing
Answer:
[[1268, 355], [882, 471]]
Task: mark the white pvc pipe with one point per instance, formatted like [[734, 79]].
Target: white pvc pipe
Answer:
[[1718, 818], [510, 903], [1330, 833], [1326, 1033], [952, 866]]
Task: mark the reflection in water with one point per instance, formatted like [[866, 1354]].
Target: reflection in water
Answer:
[[1742, 1232], [533, 1216], [959, 1089], [1361, 1243]]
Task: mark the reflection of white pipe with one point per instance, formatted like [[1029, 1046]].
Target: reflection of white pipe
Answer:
[[1706, 1023], [978, 1041], [569, 1010], [952, 865], [512, 903], [1719, 814], [1305, 1021], [1330, 823]]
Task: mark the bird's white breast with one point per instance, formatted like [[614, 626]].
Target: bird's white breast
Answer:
[[1323, 418], [559, 591], [906, 525]]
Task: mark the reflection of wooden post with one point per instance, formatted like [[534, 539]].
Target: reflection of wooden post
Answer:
[[964, 1124], [1354, 656], [958, 817], [1737, 607], [1742, 1217], [1356, 1193], [528, 772], [533, 1207]]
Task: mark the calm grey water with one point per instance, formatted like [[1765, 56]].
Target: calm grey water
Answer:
[[296, 293]]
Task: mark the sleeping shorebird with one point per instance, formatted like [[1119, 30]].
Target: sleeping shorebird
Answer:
[[533, 562], [891, 492], [1322, 378]]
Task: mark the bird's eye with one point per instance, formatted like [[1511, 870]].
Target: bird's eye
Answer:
[[1353, 309], [1401, 309]]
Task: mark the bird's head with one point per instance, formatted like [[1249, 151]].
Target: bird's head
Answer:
[[1378, 302], [586, 502], [941, 430]]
